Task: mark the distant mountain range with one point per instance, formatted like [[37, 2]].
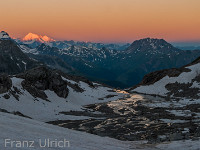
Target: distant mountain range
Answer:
[[189, 47], [33, 40], [113, 64]]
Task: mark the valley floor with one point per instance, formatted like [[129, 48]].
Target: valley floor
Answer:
[[21, 129], [17, 128], [105, 119], [139, 117]]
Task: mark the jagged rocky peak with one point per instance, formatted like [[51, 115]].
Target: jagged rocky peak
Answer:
[[43, 46], [150, 44], [4, 35], [12, 59]]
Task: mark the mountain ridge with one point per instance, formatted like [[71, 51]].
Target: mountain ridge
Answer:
[[151, 44], [180, 82], [119, 66], [32, 36], [4, 35], [103, 63], [12, 59]]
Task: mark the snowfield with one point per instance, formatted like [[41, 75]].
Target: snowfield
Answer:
[[158, 88], [45, 111], [22, 129]]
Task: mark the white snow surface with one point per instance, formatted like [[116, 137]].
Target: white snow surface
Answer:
[[21, 129], [26, 49], [17, 128], [158, 88], [43, 110], [180, 145]]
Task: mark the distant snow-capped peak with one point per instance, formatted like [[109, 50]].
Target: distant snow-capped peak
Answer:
[[4, 35], [36, 37]]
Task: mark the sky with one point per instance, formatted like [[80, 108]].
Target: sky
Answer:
[[103, 20]]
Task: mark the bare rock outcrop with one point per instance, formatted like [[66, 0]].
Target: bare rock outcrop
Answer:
[[5, 83], [41, 78]]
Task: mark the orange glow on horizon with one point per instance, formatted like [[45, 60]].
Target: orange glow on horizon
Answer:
[[103, 20]]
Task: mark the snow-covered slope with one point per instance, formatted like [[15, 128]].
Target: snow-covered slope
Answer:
[[31, 37], [42, 94], [181, 82], [33, 40], [25, 49], [23, 129]]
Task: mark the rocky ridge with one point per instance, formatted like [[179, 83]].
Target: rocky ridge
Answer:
[[12, 59], [118, 68]]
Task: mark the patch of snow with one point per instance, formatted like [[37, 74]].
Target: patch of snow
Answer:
[[49, 111], [180, 112], [4, 35], [71, 81], [180, 145], [26, 49], [23, 129], [158, 87], [173, 121], [24, 64], [195, 85]]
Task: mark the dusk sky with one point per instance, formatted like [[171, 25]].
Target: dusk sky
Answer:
[[103, 20]]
